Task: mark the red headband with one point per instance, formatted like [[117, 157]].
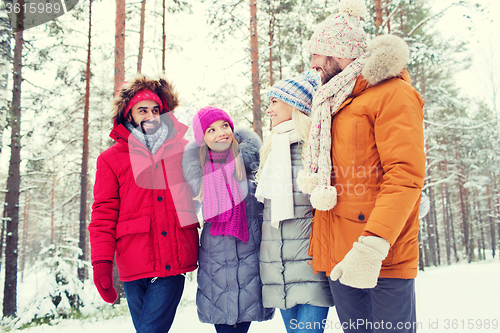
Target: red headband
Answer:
[[143, 95]]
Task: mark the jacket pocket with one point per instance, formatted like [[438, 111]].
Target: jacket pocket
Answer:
[[349, 226], [350, 221], [134, 248]]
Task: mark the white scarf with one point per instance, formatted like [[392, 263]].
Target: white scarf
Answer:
[[276, 182], [316, 176]]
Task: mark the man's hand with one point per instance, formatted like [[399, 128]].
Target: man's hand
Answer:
[[103, 280], [360, 267]]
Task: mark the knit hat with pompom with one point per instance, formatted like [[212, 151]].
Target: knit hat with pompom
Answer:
[[297, 92], [341, 35]]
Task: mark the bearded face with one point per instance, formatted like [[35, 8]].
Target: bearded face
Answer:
[[327, 67], [146, 115]]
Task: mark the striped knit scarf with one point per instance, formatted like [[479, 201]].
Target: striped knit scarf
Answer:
[[315, 178]]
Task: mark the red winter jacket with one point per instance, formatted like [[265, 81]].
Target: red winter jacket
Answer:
[[143, 208]]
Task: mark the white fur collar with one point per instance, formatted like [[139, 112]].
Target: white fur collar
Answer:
[[388, 56]]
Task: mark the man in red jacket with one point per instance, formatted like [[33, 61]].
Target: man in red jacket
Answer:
[[143, 209]]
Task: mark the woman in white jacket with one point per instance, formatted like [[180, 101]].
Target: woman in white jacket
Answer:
[[289, 282]]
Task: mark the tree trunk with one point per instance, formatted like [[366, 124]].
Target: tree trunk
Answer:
[[82, 243], [280, 52], [2, 235], [492, 223], [25, 234], [164, 38], [430, 220], [452, 225], [449, 212], [446, 223], [6, 60], [465, 220], [472, 244], [387, 13], [141, 39], [14, 177], [424, 243], [119, 78], [117, 283], [271, 41], [497, 208], [401, 19], [421, 264], [430, 245], [119, 43], [254, 55], [436, 232], [434, 236], [52, 207], [482, 244], [378, 15]]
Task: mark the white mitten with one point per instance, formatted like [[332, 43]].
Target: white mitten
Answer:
[[360, 267]]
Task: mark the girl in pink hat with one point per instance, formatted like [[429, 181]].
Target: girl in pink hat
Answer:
[[219, 165]]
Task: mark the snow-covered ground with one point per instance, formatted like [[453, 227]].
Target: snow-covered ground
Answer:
[[458, 298]]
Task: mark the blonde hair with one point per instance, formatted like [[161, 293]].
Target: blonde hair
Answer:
[[302, 124], [239, 170]]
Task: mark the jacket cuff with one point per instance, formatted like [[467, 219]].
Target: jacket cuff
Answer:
[[102, 262], [368, 233]]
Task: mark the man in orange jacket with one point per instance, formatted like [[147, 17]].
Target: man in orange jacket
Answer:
[[365, 169]]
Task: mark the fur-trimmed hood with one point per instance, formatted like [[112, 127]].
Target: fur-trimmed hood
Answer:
[[387, 58], [163, 88], [249, 145]]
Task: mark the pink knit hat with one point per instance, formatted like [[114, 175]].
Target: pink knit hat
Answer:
[[341, 35], [205, 117]]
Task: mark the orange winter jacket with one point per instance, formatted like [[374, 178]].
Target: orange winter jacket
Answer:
[[378, 169]]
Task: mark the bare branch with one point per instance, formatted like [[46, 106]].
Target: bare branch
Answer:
[[440, 181], [421, 23]]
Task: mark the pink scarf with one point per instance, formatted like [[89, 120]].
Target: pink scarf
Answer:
[[223, 202]]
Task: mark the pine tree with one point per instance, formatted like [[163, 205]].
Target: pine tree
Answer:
[[14, 178], [85, 158]]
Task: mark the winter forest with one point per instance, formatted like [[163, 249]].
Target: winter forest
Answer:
[[56, 81]]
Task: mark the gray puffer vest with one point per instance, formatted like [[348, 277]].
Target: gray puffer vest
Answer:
[[229, 285], [284, 261]]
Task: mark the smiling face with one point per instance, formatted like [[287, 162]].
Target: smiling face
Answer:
[[145, 114], [279, 111], [327, 67], [219, 136]]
